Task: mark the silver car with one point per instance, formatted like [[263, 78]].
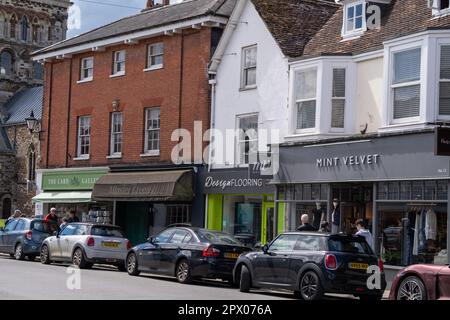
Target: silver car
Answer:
[[86, 244]]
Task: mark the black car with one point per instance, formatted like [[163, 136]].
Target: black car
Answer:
[[23, 237], [187, 253], [312, 264]]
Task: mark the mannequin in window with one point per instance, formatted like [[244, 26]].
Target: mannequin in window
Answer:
[[336, 217]]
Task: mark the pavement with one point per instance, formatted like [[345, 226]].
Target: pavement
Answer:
[[25, 280]]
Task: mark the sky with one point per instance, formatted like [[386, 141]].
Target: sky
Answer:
[[86, 15]]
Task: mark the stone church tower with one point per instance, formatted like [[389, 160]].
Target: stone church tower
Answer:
[[25, 26]]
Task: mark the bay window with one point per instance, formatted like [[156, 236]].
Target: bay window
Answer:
[[444, 81], [405, 84], [306, 99]]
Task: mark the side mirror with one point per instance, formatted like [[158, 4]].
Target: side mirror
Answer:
[[265, 248], [55, 233], [151, 240]]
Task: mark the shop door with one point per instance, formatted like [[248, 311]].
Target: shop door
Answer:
[[268, 224], [135, 221]]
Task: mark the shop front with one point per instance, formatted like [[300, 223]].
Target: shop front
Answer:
[[242, 204], [146, 202], [395, 183], [71, 189]]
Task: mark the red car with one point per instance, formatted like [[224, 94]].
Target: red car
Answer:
[[422, 282]]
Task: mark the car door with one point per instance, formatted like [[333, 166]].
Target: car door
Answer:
[[444, 283], [152, 254], [57, 243], [6, 233], [271, 267], [11, 237], [80, 233], [170, 251]]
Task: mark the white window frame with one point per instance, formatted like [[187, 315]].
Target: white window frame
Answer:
[[345, 98], [239, 140], [392, 86], [83, 69], [149, 65], [296, 101], [244, 68], [80, 137], [147, 151], [436, 9], [354, 32], [439, 45], [117, 62], [114, 133]]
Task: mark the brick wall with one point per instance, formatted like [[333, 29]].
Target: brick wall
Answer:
[[65, 100]]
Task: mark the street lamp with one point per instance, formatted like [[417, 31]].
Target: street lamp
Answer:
[[31, 122]]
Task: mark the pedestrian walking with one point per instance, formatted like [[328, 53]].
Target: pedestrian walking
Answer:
[[52, 216], [73, 217], [363, 232], [305, 224]]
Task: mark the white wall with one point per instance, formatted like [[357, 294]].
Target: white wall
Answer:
[[270, 98]]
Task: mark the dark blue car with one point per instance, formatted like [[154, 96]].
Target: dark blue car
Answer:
[[23, 237]]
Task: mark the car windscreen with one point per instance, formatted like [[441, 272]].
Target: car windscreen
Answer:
[[349, 245], [45, 226], [105, 231], [216, 237]]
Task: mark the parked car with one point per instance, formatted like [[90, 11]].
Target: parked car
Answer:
[[86, 244], [23, 237], [187, 253], [311, 264], [422, 282]]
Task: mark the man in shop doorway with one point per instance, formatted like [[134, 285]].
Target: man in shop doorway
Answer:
[[336, 217], [52, 216], [363, 232], [72, 217], [305, 224]]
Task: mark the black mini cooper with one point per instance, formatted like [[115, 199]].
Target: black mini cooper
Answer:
[[312, 264]]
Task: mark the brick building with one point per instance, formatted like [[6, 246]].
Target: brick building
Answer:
[[112, 99]]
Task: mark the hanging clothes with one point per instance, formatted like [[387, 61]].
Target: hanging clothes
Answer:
[[416, 235], [422, 235], [430, 225]]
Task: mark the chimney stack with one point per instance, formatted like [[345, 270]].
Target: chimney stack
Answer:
[[156, 3]]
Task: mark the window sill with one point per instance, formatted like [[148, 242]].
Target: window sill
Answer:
[[153, 68], [85, 80], [117, 75], [248, 88], [114, 156], [81, 158], [150, 154]]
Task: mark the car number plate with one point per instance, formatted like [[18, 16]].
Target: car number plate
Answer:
[[110, 244], [358, 266], [232, 255]]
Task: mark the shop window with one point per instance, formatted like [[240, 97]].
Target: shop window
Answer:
[[442, 190], [413, 233], [444, 81], [247, 145], [417, 190], [406, 84], [405, 190], [393, 191], [178, 214]]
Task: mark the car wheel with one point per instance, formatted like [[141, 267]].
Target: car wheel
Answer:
[[18, 252], [412, 288], [121, 268], [132, 265], [79, 260], [310, 287], [45, 255], [245, 282], [183, 273]]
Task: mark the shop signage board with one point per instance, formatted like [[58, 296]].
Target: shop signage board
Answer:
[[235, 181], [71, 180], [442, 141], [379, 159]]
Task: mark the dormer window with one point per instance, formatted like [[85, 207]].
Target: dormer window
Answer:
[[441, 7], [444, 4], [354, 18]]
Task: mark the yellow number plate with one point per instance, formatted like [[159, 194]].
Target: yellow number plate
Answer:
[[358, 266], [110, 244], [231, 255]]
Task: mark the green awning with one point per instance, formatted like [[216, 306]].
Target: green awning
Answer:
[[64, 197]]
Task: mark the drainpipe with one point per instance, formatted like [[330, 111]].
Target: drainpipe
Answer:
[[49, 115], [69, 107], [213, 84]]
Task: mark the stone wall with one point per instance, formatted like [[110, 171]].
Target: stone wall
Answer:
[[7, 176]]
